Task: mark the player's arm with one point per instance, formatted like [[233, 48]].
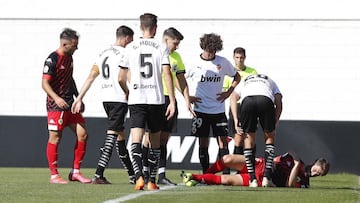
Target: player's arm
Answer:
[[122, 78], [224, 95], [293, 174], [182, 86], [234, 97], [170, 86], [278, 107], [45, 84], [78, 103]]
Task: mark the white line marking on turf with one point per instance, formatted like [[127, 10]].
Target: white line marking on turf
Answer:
[[138, 194]]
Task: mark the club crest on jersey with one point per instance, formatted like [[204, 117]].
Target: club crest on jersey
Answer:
[[218, 66], [60, 121]]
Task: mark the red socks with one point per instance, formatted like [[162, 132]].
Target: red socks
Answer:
[[79, 153], [52, 156], [216, 167], [210, 179]]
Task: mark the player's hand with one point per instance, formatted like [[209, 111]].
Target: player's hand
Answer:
[[189, 107], [222, 96], [60, 102], [194, 99], [239, 130], [170, 111], [77, 107]]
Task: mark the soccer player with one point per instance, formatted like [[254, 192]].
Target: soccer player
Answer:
[[239, 57], [261, 101], [208, 74], [114, 102], [59, 85], [289, 171], [172, 38], [145, 61]]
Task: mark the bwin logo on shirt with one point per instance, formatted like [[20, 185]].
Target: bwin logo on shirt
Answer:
[[210, 78]]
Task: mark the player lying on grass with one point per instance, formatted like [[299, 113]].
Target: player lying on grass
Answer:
[[288, 171]]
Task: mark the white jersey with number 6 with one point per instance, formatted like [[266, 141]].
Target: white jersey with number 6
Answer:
[[108, 67], [144, 59]]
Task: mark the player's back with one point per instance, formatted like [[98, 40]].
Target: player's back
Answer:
[[145, 58]]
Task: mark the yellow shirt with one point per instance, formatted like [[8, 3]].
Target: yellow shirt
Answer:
[[243, 74], [177, 66]]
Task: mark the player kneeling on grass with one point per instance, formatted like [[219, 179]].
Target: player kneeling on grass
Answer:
[[289, 171]]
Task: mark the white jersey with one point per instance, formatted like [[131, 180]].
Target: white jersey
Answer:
[[257, 85], [208, 77], [108, 67], [144, 59]]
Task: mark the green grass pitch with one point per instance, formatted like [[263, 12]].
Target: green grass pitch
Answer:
[[32, 185]]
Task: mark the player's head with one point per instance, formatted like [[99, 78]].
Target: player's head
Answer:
[[69, 39], [124, 33], [148, 23], [320, 167], [211, 43], [239, 57], [172, 38]]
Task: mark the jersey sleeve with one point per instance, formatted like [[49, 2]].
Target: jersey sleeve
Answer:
[[50, 66]]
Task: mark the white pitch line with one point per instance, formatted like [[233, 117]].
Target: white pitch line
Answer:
[[138, 194]]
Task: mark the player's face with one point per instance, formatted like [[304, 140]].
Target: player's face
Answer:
[[208, 54], [316, 170], [239, 59], [172, 44], [70, 46]]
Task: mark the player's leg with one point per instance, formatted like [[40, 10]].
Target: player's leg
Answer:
[[56, 124], [249, 119], [136, 152], [201, 129], [124, 156], [233, 161], [52, 156], [220, 130], [137, 130], [169, 126], [145, 156], [78, 127], [111, 109], [267, 122], [156, 118], [105, 155]]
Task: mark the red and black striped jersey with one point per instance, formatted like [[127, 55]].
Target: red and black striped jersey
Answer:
[[282, 168], [58, 69]]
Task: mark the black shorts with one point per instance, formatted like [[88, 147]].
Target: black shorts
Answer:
[[254, 109], [231, 125], [116, 113], [202, 122], [170, 125], [150, 116]]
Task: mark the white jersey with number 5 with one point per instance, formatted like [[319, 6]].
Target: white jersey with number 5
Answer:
[[108, 67], [259, 84], [144, 59]]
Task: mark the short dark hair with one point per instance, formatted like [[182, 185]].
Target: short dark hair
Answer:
[[240, 50], [325, 165], [123, 31], [148, 20], [173, 33], [69, 34], [211, 42]]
